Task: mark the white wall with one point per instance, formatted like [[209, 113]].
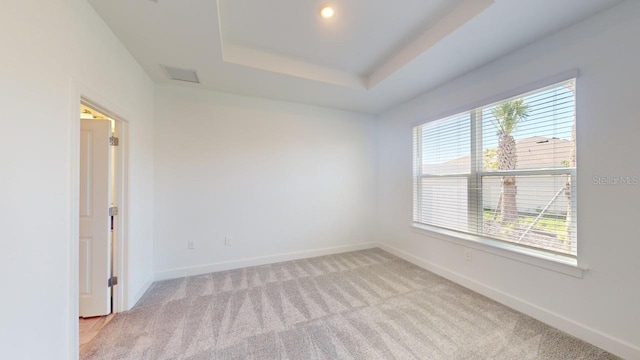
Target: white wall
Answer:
[[278, 177], [606, 301], [49, 50]]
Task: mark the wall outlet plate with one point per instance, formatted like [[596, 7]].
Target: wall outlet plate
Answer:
[[468, 255]]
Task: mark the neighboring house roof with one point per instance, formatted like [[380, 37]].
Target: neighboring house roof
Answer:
[[533, 152]]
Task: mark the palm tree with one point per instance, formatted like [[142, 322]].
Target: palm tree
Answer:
[[507, 116]]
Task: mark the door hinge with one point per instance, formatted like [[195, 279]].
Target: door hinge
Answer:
[[114, 141], [113, 211], [112, 281]]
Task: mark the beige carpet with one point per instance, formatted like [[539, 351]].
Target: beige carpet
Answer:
[[360, 305]]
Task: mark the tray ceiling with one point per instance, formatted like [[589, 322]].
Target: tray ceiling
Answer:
[[371, 56]]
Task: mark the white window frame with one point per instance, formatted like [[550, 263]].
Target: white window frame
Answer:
[[563, 263]]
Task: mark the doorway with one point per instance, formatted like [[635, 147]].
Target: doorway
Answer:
[[100, 213]]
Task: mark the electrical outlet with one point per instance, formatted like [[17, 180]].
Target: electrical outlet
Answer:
[[191, 245], [227, 241], [468, 255]]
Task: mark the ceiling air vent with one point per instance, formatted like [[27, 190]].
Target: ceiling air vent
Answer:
[[181, 74]]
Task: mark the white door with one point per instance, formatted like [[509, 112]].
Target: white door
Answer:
[[95, 225]]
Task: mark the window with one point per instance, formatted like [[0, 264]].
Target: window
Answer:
[[505, 171]]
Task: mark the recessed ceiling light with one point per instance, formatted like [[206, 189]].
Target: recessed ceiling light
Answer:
[[327, 12]]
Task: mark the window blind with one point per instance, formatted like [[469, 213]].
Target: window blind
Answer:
[[504, 171]]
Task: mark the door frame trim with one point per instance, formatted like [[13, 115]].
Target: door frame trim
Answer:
[[82, 93]]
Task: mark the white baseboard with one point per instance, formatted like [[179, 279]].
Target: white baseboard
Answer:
[[262, 260], [138, 294], [592, 336]]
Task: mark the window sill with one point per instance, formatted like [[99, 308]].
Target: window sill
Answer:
[[558, 263]]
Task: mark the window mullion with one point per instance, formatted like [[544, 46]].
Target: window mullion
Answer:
[[418, 174], [474, 190]]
